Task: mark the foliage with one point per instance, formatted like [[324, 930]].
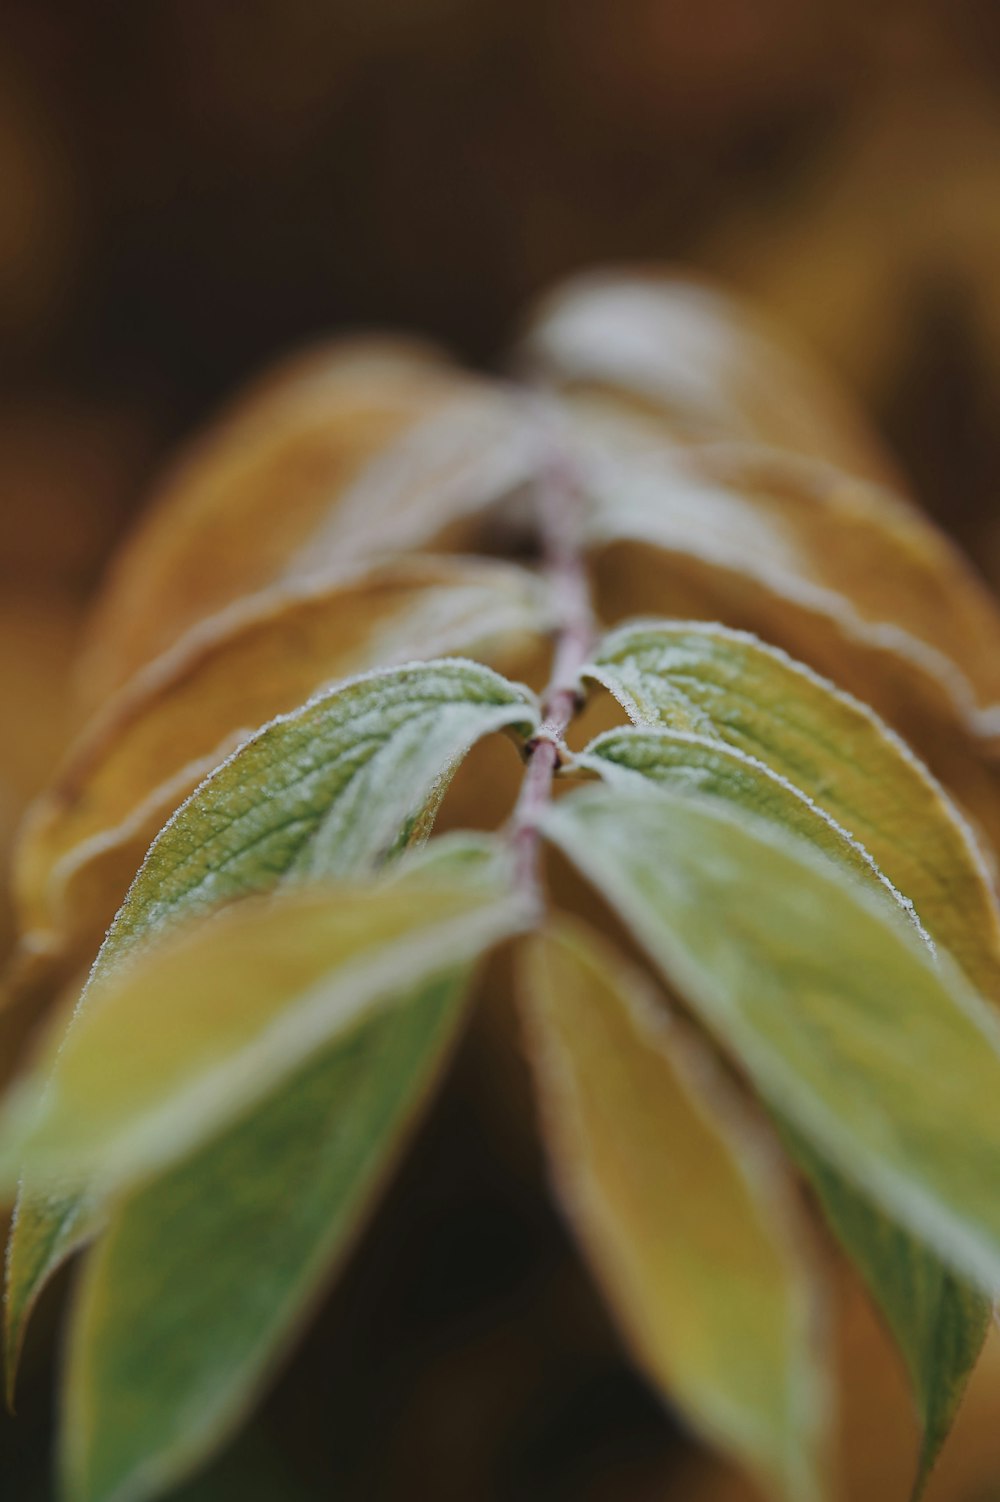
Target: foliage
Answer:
[[790, 1018]]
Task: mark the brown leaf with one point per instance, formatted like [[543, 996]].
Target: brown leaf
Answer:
[[240, 507]]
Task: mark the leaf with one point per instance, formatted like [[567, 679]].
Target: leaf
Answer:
[[173, 1335], [327, 790], [181, 716], [726, 686], [438, 483], [271, 1204], [175, 1042], [731, 687], [258, 498], [634, 579], [708, 768], [213, 531], [706, 363], [832, 1006], [846, 577], [938, 1321], [806, 536], [700, 429], [682, 1206]]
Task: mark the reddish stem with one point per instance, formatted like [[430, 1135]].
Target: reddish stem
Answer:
[[559, 525]]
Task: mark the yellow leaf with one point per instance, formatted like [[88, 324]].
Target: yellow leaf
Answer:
[[681, 1203], [183, 1037], [876, 1439]]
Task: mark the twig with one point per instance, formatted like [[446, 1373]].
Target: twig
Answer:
[[559, 507]]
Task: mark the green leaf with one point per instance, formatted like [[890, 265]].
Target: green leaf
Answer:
[[709, 768], [337, 786], [727, 686], [939, 1322], [683, 1207], [203, 1277], [881, 1056], [331, 788]]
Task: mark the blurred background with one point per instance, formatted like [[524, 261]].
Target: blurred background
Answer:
[[190, 186]]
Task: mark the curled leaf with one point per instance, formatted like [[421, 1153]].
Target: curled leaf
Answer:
[[709, 768], [325, 789], [635, 579]]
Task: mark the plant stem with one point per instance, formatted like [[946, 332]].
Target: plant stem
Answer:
[[559, 496]]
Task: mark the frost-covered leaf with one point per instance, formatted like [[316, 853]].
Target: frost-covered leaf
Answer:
[[931, 709], [939, 1320], [248, 493], [202, 1277], [171, 1045], [705, 767], [282, 488], [325, 791], [268, 1204], [879, 1054], [807, 536], [435, 484], [682, 1206], [711, 682], [178, 718], [710, 367]]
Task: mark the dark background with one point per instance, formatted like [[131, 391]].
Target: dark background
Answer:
[[190, 187]]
